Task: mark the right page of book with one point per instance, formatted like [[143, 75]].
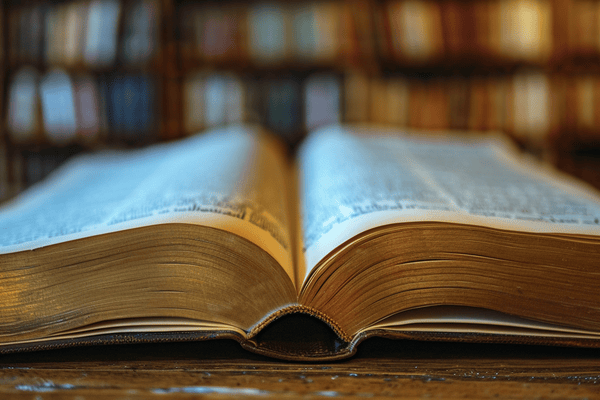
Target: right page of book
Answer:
[[231, 179], [352, 179]]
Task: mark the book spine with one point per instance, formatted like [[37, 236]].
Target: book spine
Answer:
[[100, 49], [58, 107], [283, 101], [267, 34], [140, 33], [131, 108], [459, 102], [416, 32], [321, 101], [148, 105], [527, 104], [23, 106], [276, 35], [87, 108], [116, 112], [130, 103]]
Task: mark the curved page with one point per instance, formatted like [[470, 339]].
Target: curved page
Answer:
[[353, 180], [230, 179]]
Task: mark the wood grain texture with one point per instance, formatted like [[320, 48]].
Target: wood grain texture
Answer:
[[381, 369]]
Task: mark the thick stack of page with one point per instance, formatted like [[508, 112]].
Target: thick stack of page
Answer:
[[365, 232]]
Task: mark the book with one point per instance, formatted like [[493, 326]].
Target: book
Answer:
[[87, 108], [268, 43], [321, 100], [140, 33], [531, 107], [364, 232], [584, 42], [100, 48], [283, 104], [526, 29], [130, 107], [356, 97], [23, 121], [58, 107], [417, 27]]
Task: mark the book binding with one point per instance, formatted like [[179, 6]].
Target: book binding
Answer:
[[297, 333]]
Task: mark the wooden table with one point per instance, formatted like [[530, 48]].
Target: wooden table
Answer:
[[382, 369]]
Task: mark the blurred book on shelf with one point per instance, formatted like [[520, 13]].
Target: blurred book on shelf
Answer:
[[57, 109], [522, 104], [87, 106], [24, 112], [584, 28], [322, 105], [474, 32], [87, 74], [275, 34], [140, 32], [83, 34]]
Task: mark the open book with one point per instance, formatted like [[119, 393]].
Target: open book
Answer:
[[364, 232]]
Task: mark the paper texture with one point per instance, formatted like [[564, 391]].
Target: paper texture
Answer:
[[352, 181], [209, 180], [475, 320]]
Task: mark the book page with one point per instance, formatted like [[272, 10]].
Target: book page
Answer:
[[353, 180], [231, 179], [457, 319]]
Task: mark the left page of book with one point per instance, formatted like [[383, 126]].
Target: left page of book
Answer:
[[231, 179], [184, 236]]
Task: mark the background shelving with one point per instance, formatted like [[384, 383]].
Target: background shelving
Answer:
[[77, 75]]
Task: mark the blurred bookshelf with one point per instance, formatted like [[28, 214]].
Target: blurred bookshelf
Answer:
[[81, 75]]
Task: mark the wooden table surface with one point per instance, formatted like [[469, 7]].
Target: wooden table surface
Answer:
[[381, 369]]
